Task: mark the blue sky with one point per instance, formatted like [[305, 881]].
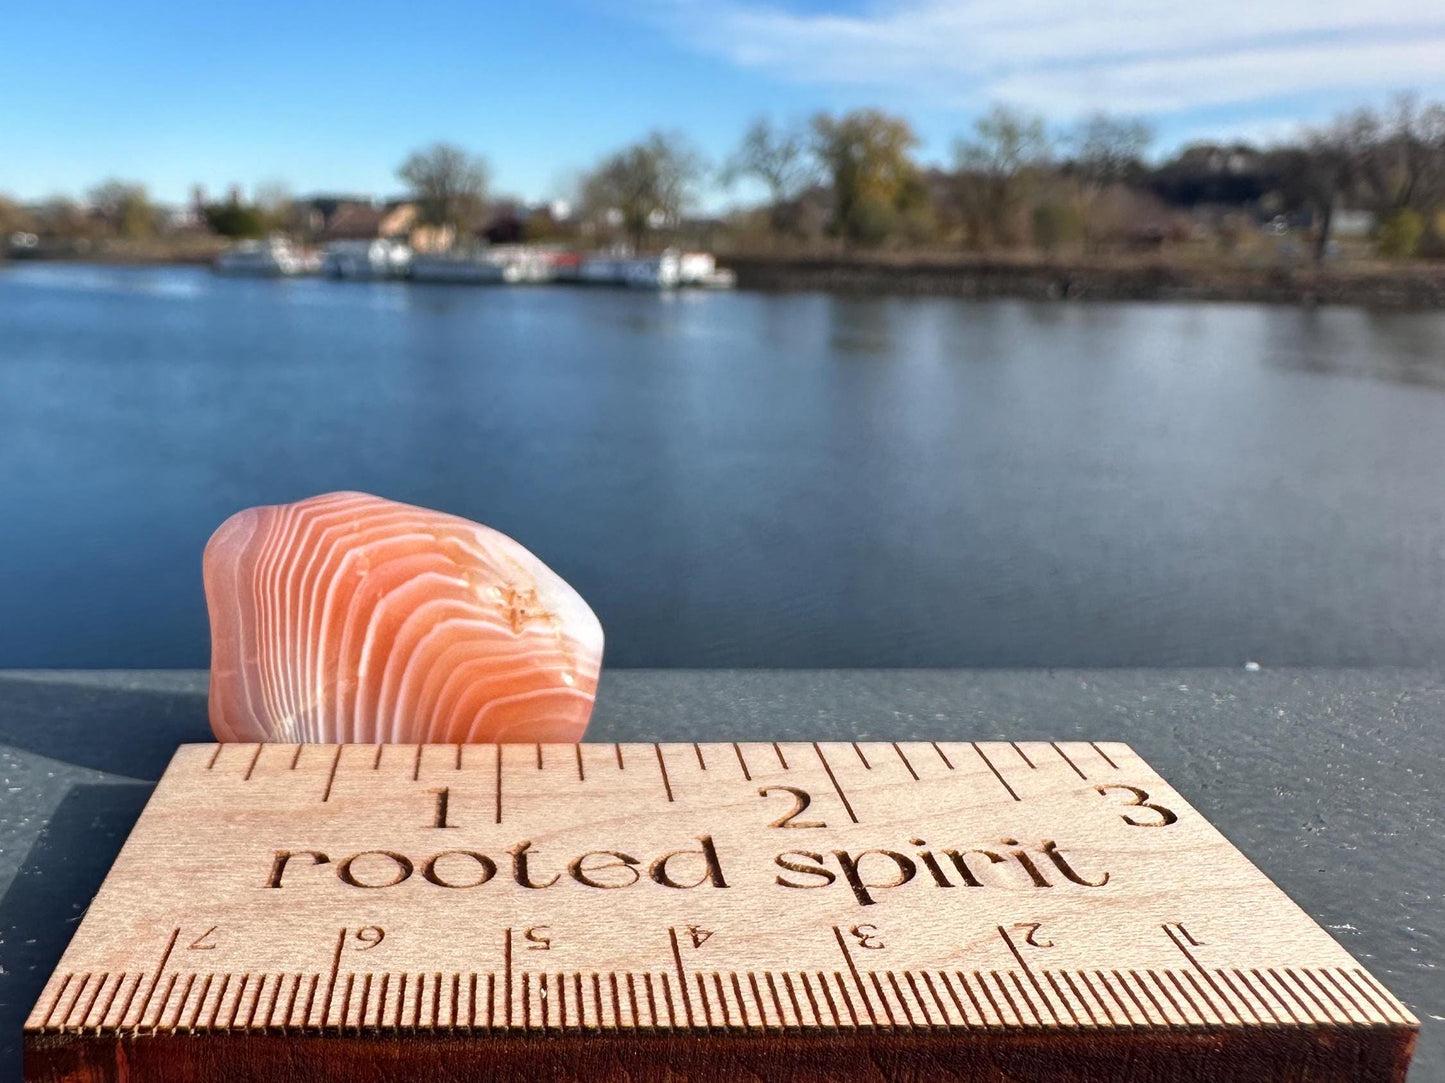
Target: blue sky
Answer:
[[332, 96]]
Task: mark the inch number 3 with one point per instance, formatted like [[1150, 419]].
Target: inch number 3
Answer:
[[1140, 800]]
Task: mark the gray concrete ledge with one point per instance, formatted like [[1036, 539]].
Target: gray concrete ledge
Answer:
[[1330, 780]]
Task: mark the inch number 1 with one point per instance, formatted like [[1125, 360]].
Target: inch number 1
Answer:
[[443, 796]]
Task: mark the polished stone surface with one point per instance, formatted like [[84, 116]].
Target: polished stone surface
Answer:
[[1328, 779]]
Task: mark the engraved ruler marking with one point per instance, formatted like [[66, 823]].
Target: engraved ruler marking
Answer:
[[743, 888]]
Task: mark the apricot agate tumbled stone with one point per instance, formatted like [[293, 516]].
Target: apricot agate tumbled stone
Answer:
[[349, 618]]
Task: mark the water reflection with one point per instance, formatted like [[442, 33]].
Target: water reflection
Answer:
[[745, 479]]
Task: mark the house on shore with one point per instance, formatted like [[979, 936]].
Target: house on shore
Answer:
[[331, 218]]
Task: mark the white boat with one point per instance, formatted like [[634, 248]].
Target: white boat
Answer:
[[273, 257], [510, 265], [669, 270], [374, 259]]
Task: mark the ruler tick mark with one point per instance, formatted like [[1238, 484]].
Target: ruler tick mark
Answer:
[[862, 758], [777, 1001], [906, 764], [129, 998], [331, 777], [498, 749], [793, 999], [701, 763], [1054, 985], [847, 806], [211, 763], [666, 996], [1143, 1011], [758, 1000], [747, 775], [946, 762], [457, 763], [1023, 755], [1034, 981], [781, 759], [953, 996], [651, 1000], [1065, 757], [1167, 996], [416, 764], [853, 970], [706, 1002], [59, 995], [296, 757], [160, 972], [1109, 988], [808, 992], [1248, 1004], [883, 998], [251, 767], [181, 1004], [539, 755], [989, 764], [1094, 745], [581, 774], [902, 1000], [617, 748], [1023, 995], [1074, 989], [331, 979], [938, 1000], [1364, 994], [681, 977], [1144, 987], [662, 766], [742, 1004], [507, 964], [90, 1004], [1342, 991]]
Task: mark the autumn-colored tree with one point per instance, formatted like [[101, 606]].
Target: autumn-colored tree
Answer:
[[868, 157], [125, 207]]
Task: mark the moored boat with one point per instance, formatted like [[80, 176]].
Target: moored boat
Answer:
[[670, 269], [274, 257], [375, 259], [501, 264]]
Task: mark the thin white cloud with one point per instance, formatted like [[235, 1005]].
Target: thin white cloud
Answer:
[[1066, 56]]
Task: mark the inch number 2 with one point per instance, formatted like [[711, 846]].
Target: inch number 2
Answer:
[[1140, 800], [801, 801]]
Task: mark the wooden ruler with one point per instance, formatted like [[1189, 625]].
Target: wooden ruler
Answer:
[[938, 910]]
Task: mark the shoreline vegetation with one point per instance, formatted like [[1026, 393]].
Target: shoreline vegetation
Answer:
[[1419, 285], [1352, 212]]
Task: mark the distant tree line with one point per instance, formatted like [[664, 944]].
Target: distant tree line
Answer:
[[853, 181]]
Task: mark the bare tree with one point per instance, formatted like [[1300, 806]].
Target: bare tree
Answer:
[[1108, 149], [1318, 173], [779, 158], [996, 171], [449, 185], [646, 186]]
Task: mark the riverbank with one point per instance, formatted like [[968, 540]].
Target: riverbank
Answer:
[[1371, 285], [1418, 285]]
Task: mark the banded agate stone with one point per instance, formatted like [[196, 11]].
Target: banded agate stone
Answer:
[[349, 618]]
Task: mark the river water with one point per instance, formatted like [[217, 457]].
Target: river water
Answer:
[[745, 479]]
